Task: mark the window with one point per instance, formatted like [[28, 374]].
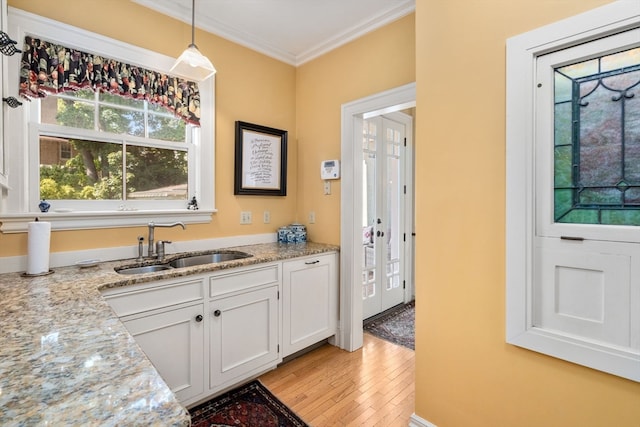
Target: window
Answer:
[[103, 160], [573, 190], [597, 140], [129, 150], [66, 151]]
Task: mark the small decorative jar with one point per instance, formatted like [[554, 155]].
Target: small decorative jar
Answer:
[[282, 234], [295, 227], [44, 206]]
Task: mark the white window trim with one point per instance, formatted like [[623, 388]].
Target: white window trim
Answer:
[[522, 51], [16, 211]]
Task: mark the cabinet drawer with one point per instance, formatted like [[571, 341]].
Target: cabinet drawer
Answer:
[[162, 295], [244, 279]]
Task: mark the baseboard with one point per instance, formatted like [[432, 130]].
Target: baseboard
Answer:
[[60, 259], [416, 421]]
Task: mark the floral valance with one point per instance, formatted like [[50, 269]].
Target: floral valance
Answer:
[[51, 68]]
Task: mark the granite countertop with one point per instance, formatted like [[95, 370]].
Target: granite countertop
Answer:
[[66, 359]]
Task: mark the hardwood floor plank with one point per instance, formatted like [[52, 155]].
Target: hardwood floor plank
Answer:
[[373, 386]]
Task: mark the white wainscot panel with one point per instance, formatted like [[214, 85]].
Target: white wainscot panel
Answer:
[[583, 293]]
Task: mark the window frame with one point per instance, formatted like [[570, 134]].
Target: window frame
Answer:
[[523, 177], [17, 206], [545, 143]]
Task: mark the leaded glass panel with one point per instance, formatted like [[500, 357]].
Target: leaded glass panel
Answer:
[[597, 140]]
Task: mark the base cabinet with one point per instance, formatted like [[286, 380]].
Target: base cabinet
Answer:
[[309, 301], [230, 325], [166, 318], [244, 335], [174, 342]]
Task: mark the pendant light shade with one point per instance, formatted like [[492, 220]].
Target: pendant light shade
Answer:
[[192, 64]]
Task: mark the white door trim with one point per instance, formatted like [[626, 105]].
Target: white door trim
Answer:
[[351, 206]]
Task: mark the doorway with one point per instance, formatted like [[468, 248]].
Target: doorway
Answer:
[[351, 236], [386, 176]]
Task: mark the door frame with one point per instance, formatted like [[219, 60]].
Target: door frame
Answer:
[[400, 98]]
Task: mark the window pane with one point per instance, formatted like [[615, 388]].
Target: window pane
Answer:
[[597, 140], [632, 138], [166, 128], [156, 174], [94, 171], [67, 112], [116, 120], [121, 100]]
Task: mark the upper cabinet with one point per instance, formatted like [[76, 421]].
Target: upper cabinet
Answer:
[[3, 90], [8, 46]]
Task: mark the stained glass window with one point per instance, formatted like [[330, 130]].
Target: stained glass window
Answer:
[[597, 140]]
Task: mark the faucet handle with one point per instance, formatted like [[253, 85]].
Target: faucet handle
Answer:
[[160, 252]]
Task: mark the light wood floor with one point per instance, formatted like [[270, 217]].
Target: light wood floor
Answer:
[[373, 386]]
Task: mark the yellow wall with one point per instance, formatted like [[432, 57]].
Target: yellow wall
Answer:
[[381, 60], [249, 86], [466, 374]]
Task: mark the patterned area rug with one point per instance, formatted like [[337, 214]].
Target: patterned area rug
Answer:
[[397, 325], [250, 405]]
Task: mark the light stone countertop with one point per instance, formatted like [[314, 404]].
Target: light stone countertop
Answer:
[[66, 359]]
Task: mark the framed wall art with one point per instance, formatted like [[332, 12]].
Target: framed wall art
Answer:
[[260, 160]]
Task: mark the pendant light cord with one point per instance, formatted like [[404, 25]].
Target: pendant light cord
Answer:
[[193, 22]]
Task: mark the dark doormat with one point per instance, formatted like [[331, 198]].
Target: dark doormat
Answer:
[[250, 405], [396, 325]]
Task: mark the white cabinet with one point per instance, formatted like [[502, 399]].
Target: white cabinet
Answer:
[[228, 326], [309, 301], [166, 318], [244, 335], [173, 341], [244, 324]]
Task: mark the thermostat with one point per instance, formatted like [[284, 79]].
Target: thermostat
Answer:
[[330, 169]]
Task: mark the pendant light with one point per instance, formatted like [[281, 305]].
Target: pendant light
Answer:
[[192, 64]]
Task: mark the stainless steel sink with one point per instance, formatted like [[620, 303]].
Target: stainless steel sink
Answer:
[[144, 269], [214, 257]]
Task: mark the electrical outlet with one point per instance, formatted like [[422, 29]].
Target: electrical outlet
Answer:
[[266, 217], [312, 217], [245, 217]]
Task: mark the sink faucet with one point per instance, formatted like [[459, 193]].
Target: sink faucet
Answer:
[[152, 225]]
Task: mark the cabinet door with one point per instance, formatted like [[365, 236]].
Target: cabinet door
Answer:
[[3, 90], [310, 301], [244, 335], [174, 342]]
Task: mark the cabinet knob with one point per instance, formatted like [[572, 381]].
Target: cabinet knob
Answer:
[[217, 313], [199, 318]]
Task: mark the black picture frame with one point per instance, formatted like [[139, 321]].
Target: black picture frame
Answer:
[[260, 160]]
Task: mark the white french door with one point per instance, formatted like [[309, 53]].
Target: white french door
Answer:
[[384, 167]]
